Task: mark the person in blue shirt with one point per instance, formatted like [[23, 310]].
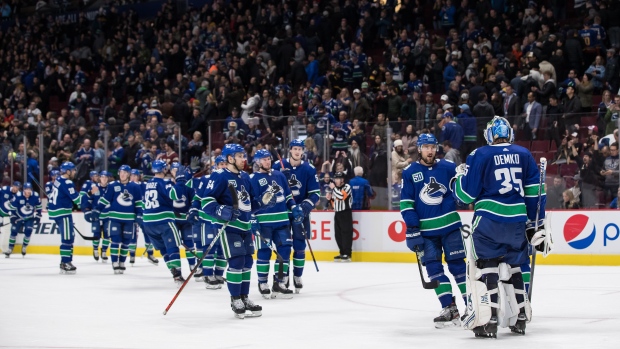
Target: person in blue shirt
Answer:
[[452, 131], [361, 190], [116, 158]]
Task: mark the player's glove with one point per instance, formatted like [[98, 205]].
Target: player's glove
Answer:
[[227, 213], [539, 238], [13, 220], [194, 165], [255, 226], [192, 217], [306, 206], [287, 173], [415, 241], [88, 216], [37, 219], [94, 215], [298, 214], [461, 170]]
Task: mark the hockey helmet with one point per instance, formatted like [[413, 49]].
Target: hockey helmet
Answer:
[[67, 166], [297, 143], [54, 173], [125, 168], [93, 173], [17, 184], [175, 165], [158, 166], [426, 138], [136, 172], [220, 158], [231, 150], [498, 128], [27, 185], [262, 154], [105, 174]]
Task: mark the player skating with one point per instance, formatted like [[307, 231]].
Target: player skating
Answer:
[[433, 224], [125, 207], [136, 177], [89, 195], [6, 195], [273, 223], [49, 185], [159, 220], [60, 205], [214, 264], [502, 180], [236, 239], [304, 185], [25, 212], [181, 209]]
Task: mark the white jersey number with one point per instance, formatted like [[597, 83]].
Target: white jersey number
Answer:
[[509, 179], [53, 196], [150, 199]]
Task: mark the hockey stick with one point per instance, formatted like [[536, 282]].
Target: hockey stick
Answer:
[[87, 238], [543, 173], [233, 193], [302, 224], [431, 285]]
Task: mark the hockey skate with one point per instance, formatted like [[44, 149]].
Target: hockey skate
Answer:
[[67, 268], [253, 309], [24, 251], [238, 307], [153, 260], [117, 268], [220, 279], [132, 260], [298, 283], [519, 327], [96, 255], [178, 276], [448, 317], [264, 290], [104, 256], [487, 331], [279, 290], [338, 258], [212, 283], [345, 258], [198, 275], [7, 254], [121, 265]]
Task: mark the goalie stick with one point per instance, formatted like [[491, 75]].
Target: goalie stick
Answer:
[[543, 173], [233, 193]]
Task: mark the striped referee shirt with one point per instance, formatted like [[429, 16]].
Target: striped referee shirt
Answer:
[[342, 198]]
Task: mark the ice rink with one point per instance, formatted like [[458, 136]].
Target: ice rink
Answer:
[[345, 305]]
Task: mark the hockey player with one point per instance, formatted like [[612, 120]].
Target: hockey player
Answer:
[[89, 195], [136, 177], [502, 181], [304, 184], [26, 208], [204, 232], [429, 211], [273, 223], [158, 218], [236, 239], [48, 186], [125, 201], [60, 206], [181, 209], [6, 195]]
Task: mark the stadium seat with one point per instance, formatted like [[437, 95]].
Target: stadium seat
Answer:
[[569, 169], [553, 147], [524, 144], [588, 121], [552, 170], [540, 146]]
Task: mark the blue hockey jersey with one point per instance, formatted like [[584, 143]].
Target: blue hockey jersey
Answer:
[[159, 201], [48, 188], [216, 193], [86, 199], [26, 208], [6, 195], [303, 181], [274, 181], [64, 195], [184, 202], [198, 184], [503, 181], [426, 199], [125, 201]]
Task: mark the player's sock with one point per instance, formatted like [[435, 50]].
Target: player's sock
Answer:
[[114, 251], [95, 244], [11, 243], [105, 244], [149, 249], [208, 264], [285, 270], [526, 272], [66, 252], [132, 249], [220, 266], [262, 264], [191, 257], [124, 253], [234, 278], [173, 261], [299, 260], [444, 290]]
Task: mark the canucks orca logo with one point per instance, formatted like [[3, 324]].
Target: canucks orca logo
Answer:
[[244, 200], [179, 203], [26, 210], [295, 185], [125, 198], [432, 193], [277, 190]]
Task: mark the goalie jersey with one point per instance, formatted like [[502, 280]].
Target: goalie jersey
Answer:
[[502, 181], [303, 182], [216, 193], [277, 183], [426, 199]]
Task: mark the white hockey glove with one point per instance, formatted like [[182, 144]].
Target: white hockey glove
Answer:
[[461, 170], [539, 238]]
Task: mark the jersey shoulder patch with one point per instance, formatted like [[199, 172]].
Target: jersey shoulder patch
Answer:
[[473, 152], [68, 181]]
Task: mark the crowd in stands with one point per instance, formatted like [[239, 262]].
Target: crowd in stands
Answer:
[[345, 74]]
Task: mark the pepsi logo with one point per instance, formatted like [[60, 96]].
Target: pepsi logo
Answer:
[[579, 231]]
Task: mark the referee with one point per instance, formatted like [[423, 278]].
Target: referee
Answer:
[[343, 220]]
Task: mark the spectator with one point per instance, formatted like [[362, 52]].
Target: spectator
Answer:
[[361, 190], [569, 202], [409, 140], [614, 202], [572, 109], [611, 171], [468, 123], [450, 153], [567, 152], [400, 160], [451, 131], [360, 110], [380, 128], [611, 70], [612, 115], [533, 115], [548, 89], [591, 180], [555, 193], [585, 89], [116, 156], [168, 155], [426, 112]]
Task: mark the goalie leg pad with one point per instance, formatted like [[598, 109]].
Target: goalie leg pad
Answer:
[[482, 279], [517, 281]]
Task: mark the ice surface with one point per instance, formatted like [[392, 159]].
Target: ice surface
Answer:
[[345, 305]]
